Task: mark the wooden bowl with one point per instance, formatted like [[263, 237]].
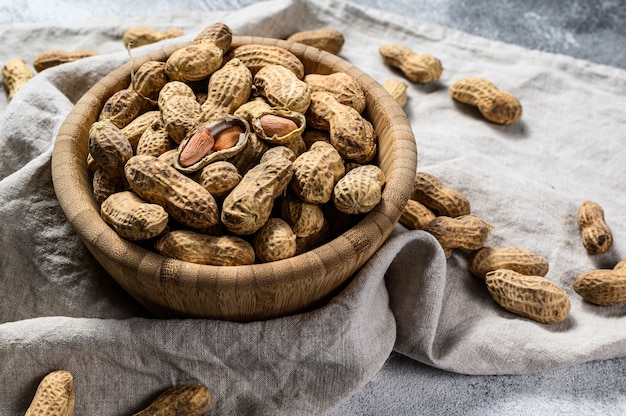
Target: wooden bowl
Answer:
[[174, 288]]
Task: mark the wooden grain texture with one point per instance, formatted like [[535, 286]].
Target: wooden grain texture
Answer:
[[173, 288]]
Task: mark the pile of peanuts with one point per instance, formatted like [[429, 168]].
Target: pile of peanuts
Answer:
[[233, 156]]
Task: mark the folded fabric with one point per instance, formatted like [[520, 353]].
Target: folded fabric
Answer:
[[61, 310]]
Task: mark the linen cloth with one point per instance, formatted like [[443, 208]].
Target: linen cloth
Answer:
[[61, 310]]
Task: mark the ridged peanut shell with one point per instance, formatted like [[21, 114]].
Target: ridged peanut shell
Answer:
[[282, 88], [416, 215], [155, 140], [184, 199], [252, 109], [595, 233], [185, 399], [278, 151], [315, 173], [15, 73], [603, 287], [229, 88], [398, 90], [250, 155], [108, 146], [249, 205], [123, 107], [106, 182], [469, 232], [219, 178], [256, 57], [149, 78], [304, 218], [55, 395], [359, 190], [194, 62], [352, 135], [274, 241], [218, 34], [327, 39], [432, 192], [495, 105], [139, 125], [136, 36], [520, 260], [132, 217], [51, 58], [194, 247], [341, 85], [419, 68], [180, 112], [533, 297]]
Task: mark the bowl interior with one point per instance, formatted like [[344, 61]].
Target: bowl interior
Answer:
[[173, 288]]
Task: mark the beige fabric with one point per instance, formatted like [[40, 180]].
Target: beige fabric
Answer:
[[61, 310]]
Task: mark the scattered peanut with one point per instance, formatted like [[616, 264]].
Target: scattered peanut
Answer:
[[420, 68], [520, 260], [326, 39], [397, 89], [596, 235], [186, 399], [54, 396], [533, 297], [15, 73], [468, 232], [603, 287], [431, 191], [415, 215], [136, 36], [497, 106], [51, 58]]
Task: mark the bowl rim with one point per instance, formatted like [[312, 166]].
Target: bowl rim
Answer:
[[70, 175]]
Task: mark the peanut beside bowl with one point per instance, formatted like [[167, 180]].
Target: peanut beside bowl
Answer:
[[174, 288]]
